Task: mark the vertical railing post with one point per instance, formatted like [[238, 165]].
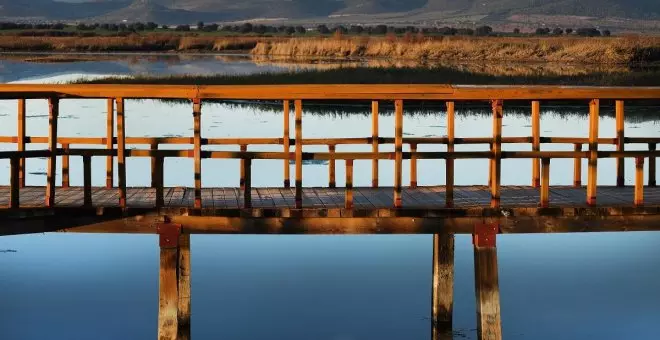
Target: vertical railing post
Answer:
[[332, 165], [639, 181], [197, 139], [651, 166], [65, 166], [299, 152], [545, 182], [247, 183], [413, 166], [536, 141], [620, 143], [577, 167], [286, 142], [592, 181], [159, 181], [87, 180], [398, 150], [498, 114], [153, 149], [121, 151], [348, 201], [53, 112], [442, 294], [21, 141], [14, 182], [449, 174], [374, 143], [489, 323], [109, 142], [243, 148]]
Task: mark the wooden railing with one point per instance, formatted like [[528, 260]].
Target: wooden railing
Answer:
[[116, 145]]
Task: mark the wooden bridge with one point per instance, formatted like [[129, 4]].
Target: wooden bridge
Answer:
[[483, 211]]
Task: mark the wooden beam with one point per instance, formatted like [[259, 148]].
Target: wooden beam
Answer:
[[620, 143], [652, 166], [498, 114], [197, 136], [536, 141], [594, 107], [442, 294], [332, 164], [87, 181], [398, 149], [109, 141], [121, 151], [577, 167], [183, 315], [449, 174], [299, 150], [489, 323], [168, 282], [286, 144], [413, 166], [639, 181], [21, 141], [65, 166], [374, 142], [545, 182], [348, 199], [53, 112], [14, 183]]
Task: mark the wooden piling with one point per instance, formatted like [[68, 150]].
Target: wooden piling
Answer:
[[286, 144], [545, 182], [639, 181], [247, 185], [197, 131], [183, 314], [109, 142], [14, 183], [374, 143], [594, 107], [87, 180], [652, 166], [53, 112], [413, 166], [536, 141], [299, 151], [65, 166], [498, 114], [442, 294], [332, 182], [449, 173], [168, 282], [348, 200], [577, 167], [398, 149], [489, 324], [21, 132], [121, 151], [620, 143]]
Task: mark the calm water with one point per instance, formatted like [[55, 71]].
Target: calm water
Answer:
[[77, 286]]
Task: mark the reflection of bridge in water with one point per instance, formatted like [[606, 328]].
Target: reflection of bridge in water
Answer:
[[483, 211]]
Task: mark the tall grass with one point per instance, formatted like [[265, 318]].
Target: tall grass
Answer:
[[624, 50]]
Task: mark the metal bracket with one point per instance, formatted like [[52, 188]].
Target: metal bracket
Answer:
[[168, 234], [485, 234]]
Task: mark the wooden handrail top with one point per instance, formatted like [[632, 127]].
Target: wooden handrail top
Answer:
[[328, 155], [329, 91]]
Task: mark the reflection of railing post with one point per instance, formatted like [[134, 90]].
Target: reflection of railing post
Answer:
[[593, 151], [497, 154], [449, 175], [536, 141], [398, 150], [299, 151], [53, 112], [620, 143]]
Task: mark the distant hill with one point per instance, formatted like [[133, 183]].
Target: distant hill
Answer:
[[363, 11]]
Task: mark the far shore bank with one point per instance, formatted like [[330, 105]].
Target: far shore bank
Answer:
[[574, 50]]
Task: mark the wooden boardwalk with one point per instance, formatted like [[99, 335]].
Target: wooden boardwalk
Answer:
[[432, 197]]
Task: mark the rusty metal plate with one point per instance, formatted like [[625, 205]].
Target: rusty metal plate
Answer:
[[168, 234], [485, 234]]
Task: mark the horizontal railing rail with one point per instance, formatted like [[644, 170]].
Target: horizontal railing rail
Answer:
[[116, 145]]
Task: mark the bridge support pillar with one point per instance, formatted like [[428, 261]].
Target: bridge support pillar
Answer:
[[443, 286], [174, 283], [489, 323]]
